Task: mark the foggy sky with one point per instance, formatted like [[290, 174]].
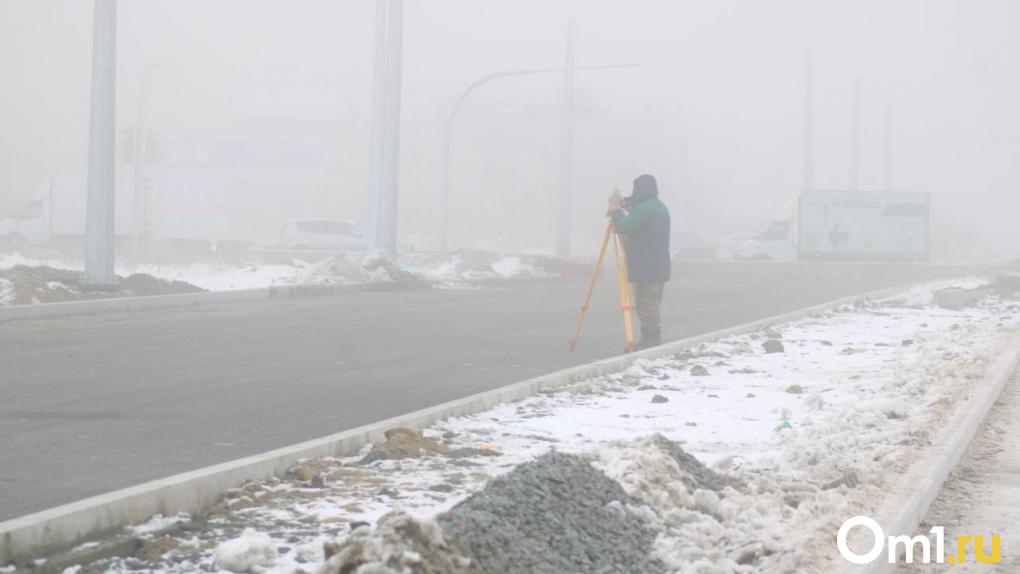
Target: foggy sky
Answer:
[[715, 109]]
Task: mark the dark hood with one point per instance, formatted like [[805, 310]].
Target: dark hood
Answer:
[[645, 187]]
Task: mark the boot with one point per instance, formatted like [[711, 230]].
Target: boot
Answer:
[[650, 337]]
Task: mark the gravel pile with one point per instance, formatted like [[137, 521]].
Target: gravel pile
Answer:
[[556, 514]]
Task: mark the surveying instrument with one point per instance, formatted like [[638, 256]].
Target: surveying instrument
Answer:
[[623, 286]]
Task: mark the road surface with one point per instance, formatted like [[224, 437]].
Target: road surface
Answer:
[[90, 404]]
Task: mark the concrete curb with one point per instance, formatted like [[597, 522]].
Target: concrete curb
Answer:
[[181, 300], [193, 492], [907, 502]]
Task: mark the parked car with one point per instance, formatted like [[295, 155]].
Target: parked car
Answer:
[[331, 234]]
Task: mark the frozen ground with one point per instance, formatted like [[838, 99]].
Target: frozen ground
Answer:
[[455, 270], [982, 497], [804, 437]]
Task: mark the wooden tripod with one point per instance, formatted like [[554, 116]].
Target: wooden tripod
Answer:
[[626, 299]]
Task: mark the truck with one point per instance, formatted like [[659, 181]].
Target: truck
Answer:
[[56, 213], [846, 226], [172, 208]]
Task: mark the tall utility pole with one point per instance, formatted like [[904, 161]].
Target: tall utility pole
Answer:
[[100, 210], [563, 207], [888, 147], [855, 135], [809, 124], [384, 157]]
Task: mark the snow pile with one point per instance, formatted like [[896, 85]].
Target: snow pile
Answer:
[[921, 296], [354, 268], [399, 544], [7, 294], [472, 266], [245, 553], [214, 277], [455, 270]]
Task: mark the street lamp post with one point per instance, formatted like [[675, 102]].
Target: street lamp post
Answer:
[[100, 219], [384, 158], [448, 138]]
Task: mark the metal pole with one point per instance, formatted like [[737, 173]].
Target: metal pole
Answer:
[[375, 161], [100, 211], [855, 136], [387, 238], [888, 146], [809, 101], [563, 211]]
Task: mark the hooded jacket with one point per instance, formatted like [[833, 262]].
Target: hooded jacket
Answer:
[[646, 229]]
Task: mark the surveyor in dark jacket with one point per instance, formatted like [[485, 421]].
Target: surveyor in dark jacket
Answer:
[[643, 220]]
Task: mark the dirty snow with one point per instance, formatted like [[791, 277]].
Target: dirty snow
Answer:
[[6, 292], [159, 523], [982, 495], [809, 437], [248, 551], [455, 270]]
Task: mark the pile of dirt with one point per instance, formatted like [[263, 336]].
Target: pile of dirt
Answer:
[[23, 285], [403, 443], [554, 514], [144, 284]]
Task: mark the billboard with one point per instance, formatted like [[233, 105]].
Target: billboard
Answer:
[[845, 225]]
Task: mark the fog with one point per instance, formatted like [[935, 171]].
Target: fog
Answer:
[[714, 108], [616, 286]]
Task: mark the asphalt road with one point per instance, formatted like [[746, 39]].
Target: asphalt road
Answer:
[[90, 404]]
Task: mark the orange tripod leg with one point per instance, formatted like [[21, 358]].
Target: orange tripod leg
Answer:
[[624, 290], [591, 287]]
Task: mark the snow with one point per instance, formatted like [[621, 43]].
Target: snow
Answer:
[[159, 523], [244, 553], [224, 277], [981, 496], [456, 270], [350, 268], [6, 292], [848, 402]]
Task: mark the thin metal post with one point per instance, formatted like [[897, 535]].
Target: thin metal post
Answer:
[[375, 159], [563, 210], [100, 211], [809, 134], [855, 135], [888, 147]]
